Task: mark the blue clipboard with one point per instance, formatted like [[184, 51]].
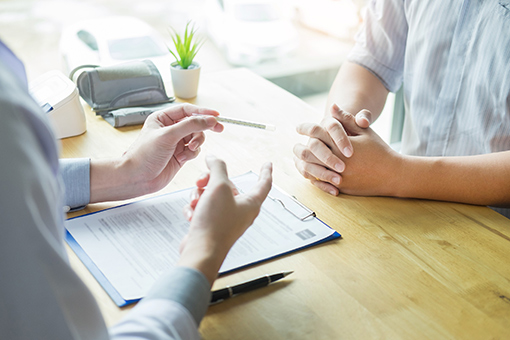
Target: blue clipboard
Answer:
[[116, 296]]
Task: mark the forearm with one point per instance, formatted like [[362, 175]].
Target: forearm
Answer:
[[355, 88], [482, 179]]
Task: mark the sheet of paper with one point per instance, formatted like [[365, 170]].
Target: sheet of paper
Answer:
[[133, 244]]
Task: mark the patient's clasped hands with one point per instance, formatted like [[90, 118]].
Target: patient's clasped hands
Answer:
[[344, 155]]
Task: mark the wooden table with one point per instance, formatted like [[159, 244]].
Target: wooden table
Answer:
[[404, 269]]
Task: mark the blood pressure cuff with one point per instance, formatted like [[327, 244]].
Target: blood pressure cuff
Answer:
[[130, 84], [132, 115]]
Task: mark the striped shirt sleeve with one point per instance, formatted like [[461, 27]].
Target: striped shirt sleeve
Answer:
[[381, 42]]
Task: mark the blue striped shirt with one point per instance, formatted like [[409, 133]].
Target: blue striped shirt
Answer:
[[453, 58]]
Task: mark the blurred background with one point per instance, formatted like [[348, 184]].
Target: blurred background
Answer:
[[297, 44]]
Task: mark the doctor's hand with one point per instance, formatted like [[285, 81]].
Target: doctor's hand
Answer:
[[219, 216], [168, 139], [319, 160]]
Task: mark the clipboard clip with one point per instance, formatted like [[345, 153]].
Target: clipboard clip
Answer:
[[310, 213]]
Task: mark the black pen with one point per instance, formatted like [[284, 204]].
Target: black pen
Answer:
[[229, 291]]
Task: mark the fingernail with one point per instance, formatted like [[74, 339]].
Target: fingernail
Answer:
[[336, 180], [347, 152], [340, 167], [333, 192]]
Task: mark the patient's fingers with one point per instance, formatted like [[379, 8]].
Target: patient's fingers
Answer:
[[317, 172]]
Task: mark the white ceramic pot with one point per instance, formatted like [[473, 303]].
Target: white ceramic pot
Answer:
[[185, 81]]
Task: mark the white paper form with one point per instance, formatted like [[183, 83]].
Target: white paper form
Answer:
[[133, 244]]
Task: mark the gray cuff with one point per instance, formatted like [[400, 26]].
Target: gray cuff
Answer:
[[186, 286], [76, 175]]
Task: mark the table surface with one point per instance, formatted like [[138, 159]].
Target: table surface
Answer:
[[403, 269]]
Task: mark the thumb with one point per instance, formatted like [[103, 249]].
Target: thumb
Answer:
[[259, 193], [218, 170], [364, 118], [190, 125]]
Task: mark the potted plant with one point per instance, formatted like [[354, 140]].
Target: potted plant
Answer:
[[184, 71]]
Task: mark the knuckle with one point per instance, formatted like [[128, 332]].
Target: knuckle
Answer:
[[204, 121], [307, 167], [346, 115], [314, 143], [304, 154], [336, 131], [315, 130], [341, 139], [187, 107], [331, 124], [331, 160]]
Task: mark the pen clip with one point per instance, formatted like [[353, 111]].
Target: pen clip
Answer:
[[310, 213]]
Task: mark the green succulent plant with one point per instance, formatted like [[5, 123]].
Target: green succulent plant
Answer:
[[186, 46]]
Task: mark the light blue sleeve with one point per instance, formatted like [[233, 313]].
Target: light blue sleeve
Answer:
[[76, 175], [172, 309], [185, 286]]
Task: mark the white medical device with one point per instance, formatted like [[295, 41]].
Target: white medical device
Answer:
[[58, 97]]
